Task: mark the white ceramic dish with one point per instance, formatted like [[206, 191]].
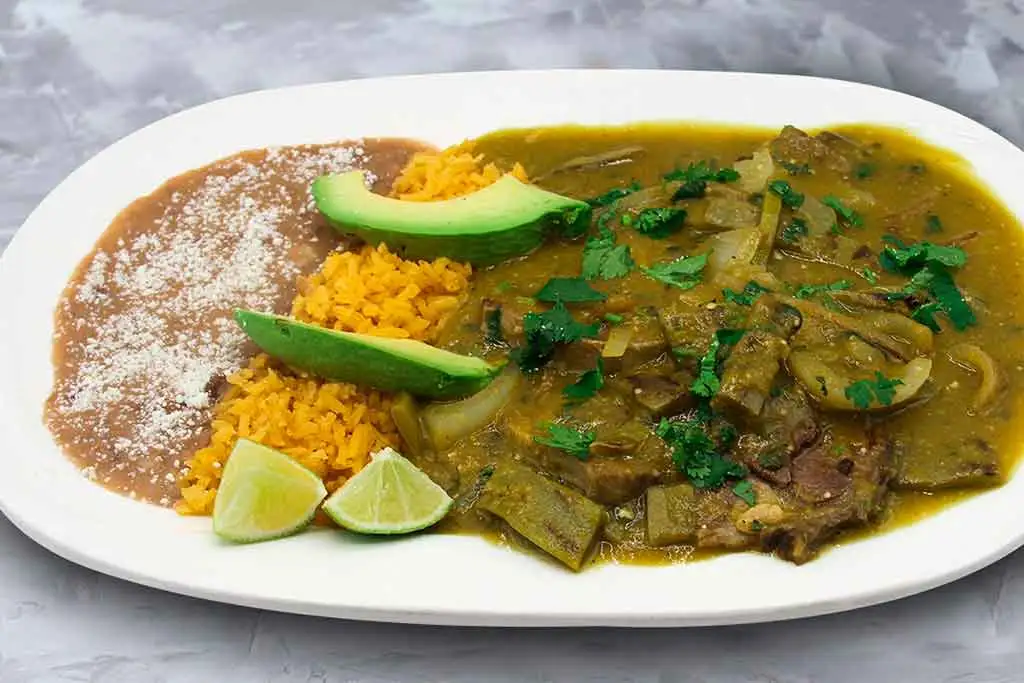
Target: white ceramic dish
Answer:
[[445, 579]]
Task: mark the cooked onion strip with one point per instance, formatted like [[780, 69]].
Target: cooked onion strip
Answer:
[[446, 423], [828, 385], [982, 363]]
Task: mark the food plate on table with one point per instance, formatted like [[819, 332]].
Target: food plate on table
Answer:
[[540, 356]]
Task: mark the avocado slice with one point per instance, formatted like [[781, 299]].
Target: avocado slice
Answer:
[[506, 219], [379, 362]]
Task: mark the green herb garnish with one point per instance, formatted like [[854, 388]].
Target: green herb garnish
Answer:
[[928, 267], [745, 491], [588, 384], [613, 318], [574, 441], [770, 461], [707, 383], [569, 290], [864, 170], [544, 332], [613, 195], [696, 454], [659, 223], [748, 296], [848, 215], [695, 179], [881, 389], [794, 230], [810, 291], [790, 197], [932, 224], [869, 275], [605, 260], [684, 272]]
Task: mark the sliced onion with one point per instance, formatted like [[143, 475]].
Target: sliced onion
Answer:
[[729, 212], [820, 218], [730, 248], [754, 172], [982, 363], [446, 423], [828, 385]]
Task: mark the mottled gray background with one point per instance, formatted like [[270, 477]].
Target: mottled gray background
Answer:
[[76, 75]]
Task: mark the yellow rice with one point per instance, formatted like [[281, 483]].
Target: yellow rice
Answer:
[[456, 171], [332, 427]]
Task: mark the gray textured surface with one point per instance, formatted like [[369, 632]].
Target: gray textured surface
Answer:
[[76, 75]]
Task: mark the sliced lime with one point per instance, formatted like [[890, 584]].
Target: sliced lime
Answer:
[[264, 494], [388, 496]]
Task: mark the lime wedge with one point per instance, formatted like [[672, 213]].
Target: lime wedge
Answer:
[[264, 494], [388, 496]]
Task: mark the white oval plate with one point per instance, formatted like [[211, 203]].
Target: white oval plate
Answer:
[[450, 579]]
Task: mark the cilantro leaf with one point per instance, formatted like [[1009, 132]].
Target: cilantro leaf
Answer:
[[794, 230], [707, 383], [869, 275], [588, 384], [613, 195], [695, 179], [544, 331], [605, 260], [928, 267], [569, 290], [864, 170], [932, 224], [898, 257], [809, 291], [745, 491], [613, 318], [881, 389], [684, 272], [696, 454], [573, 222], [748, 296], [659, 223], [575, 442], [790, 197], [847, 214]]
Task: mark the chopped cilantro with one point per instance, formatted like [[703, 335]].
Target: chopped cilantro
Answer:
[[795, 169], [707, 383], [748, 296], [492, 323], [928, 267], [569, 290], [659, 223], [587, 385], [880, 389], [576, 442], [695, 179], [544, 331], [917, 168], [573, 222], [626, 220], [605, 260], [696, 454], [757, 525], [770, 461], [809, 291], [869, 275], [848, 215], [864, 170], [745, 491], [790, 197], [613, 318], [932, 224], [684, 272], [613, 195], [794, 230]]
